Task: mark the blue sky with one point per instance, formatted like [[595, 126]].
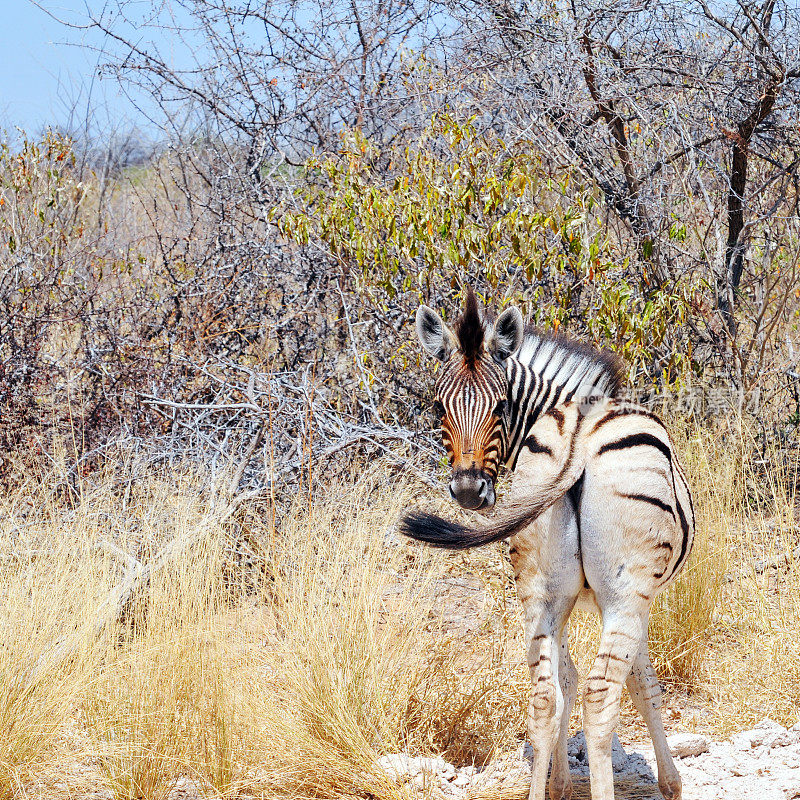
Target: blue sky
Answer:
[[47, 77]]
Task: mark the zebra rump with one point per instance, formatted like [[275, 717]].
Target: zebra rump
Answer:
[[443, 533]]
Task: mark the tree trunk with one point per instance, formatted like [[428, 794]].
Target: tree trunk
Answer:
[[735, 247]]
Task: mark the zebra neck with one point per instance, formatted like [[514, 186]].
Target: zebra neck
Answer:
[[545, 373], [527, 401]]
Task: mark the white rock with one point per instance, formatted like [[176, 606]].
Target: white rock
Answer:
[[425, 764], [759, 764], [619, 758], [576, 747], [791, 758], [779, 739], [728, 763], [395, 764], [422, 781], [768, 724], [684, 745], [747, 740], [767, 733], [791, 788]]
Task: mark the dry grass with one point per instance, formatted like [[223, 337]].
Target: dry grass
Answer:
[[753, 663], [682, 618], [366, 663], [161, 705], [345, 644], [336, 652], [34, 705]]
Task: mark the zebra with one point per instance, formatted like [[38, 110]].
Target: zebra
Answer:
[[599, 514]]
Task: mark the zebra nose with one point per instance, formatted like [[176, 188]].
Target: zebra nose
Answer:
[[470, 490]]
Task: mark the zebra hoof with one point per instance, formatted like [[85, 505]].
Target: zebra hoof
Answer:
[[671, 789], [560, 789]]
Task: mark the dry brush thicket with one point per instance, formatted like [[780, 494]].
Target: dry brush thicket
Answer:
[[326, 167], [212, 411]]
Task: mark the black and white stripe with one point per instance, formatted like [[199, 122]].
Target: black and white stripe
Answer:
[[548, 371], [599, 511]]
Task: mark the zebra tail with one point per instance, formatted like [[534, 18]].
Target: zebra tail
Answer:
[[439, 532]]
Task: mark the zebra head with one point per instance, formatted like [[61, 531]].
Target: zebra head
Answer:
[[471, 393]]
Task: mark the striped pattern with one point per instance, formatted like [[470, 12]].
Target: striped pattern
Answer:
[[646, 479], [473, 403], [547, 372], [599, 512], [487, 413]]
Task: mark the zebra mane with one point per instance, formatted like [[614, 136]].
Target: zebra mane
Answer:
[[557, 359], [469, 330]]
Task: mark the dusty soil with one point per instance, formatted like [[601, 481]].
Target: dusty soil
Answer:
[[758, 764]]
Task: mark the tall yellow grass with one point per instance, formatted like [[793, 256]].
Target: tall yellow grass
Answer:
[[342, 644]]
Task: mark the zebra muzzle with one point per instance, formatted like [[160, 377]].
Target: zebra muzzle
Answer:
[[472, 489]]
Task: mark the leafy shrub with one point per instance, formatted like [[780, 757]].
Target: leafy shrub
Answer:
[[461, 206]]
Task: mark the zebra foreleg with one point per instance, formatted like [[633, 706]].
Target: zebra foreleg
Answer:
[[645, 692], [620, 642], [560, 780]]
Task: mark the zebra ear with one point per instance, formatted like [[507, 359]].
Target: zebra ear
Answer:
[[434, 336], [507, 334]]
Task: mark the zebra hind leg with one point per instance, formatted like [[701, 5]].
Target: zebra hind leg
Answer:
[[645, 692], [621, 639], [560, 781], [544, 709]]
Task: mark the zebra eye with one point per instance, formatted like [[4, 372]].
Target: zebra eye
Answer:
[[500, 408], [438, 408]]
